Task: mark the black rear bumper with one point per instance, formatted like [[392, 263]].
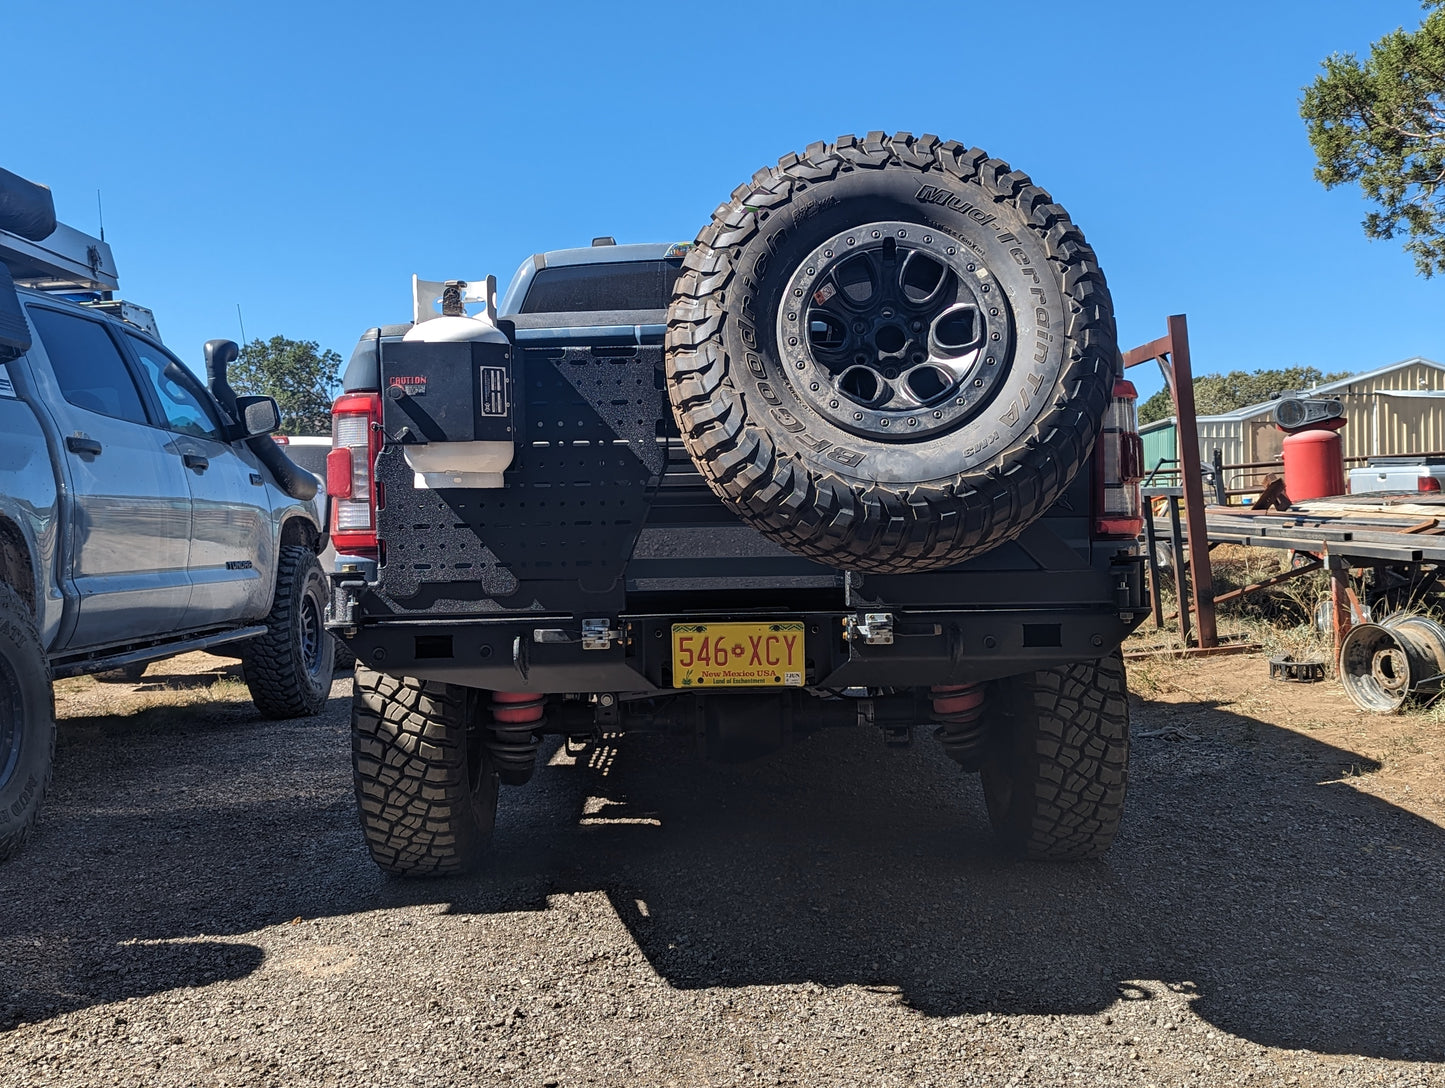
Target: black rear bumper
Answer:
[[545, 652]]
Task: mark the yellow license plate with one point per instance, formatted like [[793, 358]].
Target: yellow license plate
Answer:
[[737, 655]]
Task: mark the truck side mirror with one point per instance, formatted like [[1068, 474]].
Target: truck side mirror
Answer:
[[259, 415]]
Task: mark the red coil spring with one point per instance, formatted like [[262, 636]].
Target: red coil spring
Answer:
[[511, 739], [517, 707], [958, 704], [958, 708]]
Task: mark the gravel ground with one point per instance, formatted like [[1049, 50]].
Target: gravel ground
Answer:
[[197, 909]]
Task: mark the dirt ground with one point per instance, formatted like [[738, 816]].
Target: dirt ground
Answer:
[[1399, 758], [196, 908]]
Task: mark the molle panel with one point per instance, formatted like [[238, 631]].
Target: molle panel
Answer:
[[622, 386], [560, 531], [428, 537]]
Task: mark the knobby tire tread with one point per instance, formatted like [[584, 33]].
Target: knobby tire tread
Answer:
[[17, 627], [875, 528], [1068, 765], [271, 663], [409, 767]]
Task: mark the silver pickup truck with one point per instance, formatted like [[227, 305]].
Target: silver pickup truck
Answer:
[[143, 513]]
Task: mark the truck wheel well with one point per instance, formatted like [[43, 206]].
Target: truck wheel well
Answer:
[[300, 531], [15, 568]]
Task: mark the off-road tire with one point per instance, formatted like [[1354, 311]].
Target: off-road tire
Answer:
[[1055, 777], [767, 446], [27, 722], [426, 789], [288, 669]]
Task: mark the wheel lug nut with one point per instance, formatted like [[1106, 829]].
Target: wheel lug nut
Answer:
[[857, 415], [917, 326], [813, 386]]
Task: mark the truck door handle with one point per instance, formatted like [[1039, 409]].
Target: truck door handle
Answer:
[[196, 461], [76, 444]]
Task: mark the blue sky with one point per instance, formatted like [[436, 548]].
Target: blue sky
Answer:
[[304, 159]]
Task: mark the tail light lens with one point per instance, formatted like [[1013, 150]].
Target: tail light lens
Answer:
[[1427, 483], [355, 442], [1118, 468]]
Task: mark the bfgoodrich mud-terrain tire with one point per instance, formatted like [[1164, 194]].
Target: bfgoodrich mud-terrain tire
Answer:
[[890, 353], [288, 669], [1056, 776], [27, 722], [426, 789]]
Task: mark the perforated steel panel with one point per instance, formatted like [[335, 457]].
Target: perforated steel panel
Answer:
[[561, 530]]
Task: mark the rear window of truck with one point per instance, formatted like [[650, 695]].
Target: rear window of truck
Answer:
[[627, 285]]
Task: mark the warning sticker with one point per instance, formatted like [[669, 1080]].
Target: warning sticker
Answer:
[[494, 391]]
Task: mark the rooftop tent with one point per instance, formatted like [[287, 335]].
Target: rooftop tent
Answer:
[[26, 208]]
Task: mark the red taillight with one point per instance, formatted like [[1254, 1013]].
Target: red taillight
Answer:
[[1427, 483], [355, 441], [280, 440], [1118, 468], [338, 473]]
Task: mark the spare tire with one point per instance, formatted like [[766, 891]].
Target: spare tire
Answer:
[[890, 354]]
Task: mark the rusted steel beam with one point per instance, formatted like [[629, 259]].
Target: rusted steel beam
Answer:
[[1147, 353], [1234, 594], [1194, 651], [1201, 580], [1341, 615]]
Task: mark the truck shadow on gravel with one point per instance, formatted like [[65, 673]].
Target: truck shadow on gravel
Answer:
[[1292, 909]]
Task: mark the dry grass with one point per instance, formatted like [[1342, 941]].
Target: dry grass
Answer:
[[178, 690]]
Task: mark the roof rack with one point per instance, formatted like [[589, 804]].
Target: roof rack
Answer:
[[67, 260]]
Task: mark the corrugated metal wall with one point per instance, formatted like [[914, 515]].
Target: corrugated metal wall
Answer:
[[1389, 414], [1225, 435], [1160, 444]]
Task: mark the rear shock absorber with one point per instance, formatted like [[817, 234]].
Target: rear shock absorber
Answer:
[[958, 708], [512, 739]]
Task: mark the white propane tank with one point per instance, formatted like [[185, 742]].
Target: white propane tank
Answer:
[[457, 464]]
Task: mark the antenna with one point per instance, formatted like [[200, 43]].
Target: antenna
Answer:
[[100, 214], [240, 321]]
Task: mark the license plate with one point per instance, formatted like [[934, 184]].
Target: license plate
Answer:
[[737, 655]]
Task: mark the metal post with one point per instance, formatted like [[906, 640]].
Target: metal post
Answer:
[[1176, 540], [1151, 558], [1201, 581], [1341, 615]]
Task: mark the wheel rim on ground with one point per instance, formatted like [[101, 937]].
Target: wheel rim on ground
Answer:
[[12, 727], [895, 331]]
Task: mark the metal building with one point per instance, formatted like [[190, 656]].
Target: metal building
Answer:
[[1396, 409]]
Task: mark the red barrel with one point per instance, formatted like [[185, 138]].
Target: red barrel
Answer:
[[1314, 461]]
